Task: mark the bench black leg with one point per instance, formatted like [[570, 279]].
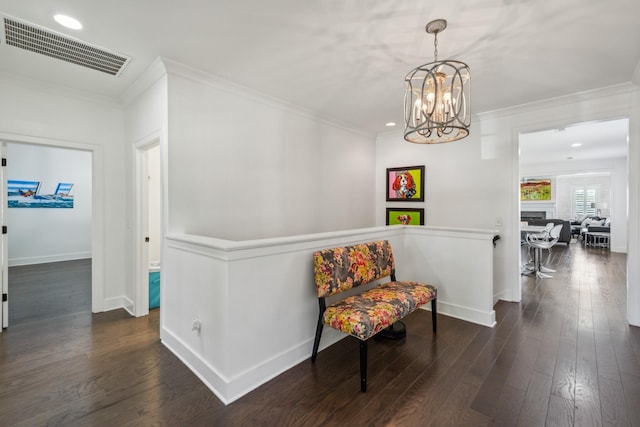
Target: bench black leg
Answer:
[[363, 366], [316, 343], [434, 319]]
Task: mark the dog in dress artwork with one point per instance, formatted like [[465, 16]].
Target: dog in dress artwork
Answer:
[[404, 185]]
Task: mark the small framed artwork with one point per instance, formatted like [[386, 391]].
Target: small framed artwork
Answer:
[[26, 194], [405, 216], [405, 184], [535, 190]]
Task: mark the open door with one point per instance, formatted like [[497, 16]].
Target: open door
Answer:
[[4, 246], [148, 225]]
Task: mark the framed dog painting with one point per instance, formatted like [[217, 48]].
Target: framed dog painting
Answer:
[[405, 184], [405, 216]]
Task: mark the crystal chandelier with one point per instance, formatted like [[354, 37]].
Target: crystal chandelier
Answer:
[[436, 98]]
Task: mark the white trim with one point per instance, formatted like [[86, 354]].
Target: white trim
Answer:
[[117, 303], [208, 374], [208, 279], [97, 207], [202, 77], [618, 89], [60, 90], [51, 258], [608, 103], [141, 250], [4, 244], [271, 245], [154, 72], [485, 318]]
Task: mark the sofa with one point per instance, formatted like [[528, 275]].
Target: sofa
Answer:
[[590, 223], [593, 224], [565, 232]]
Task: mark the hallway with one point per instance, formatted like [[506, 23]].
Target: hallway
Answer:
[[563, 356]]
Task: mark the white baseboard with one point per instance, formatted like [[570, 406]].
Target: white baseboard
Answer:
[[505, 295], [118, 302], [230, 389], [14, 262], [465, 313], [208, 374]]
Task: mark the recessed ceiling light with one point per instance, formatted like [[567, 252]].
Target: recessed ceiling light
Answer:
[[68, 22], [390, 124], [576, 144]]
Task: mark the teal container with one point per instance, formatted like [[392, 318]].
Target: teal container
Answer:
[[154, 289]]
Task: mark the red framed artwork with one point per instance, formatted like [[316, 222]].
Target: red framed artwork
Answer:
[[405, 184]]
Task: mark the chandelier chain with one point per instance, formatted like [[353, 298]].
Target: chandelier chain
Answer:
[[435, 46]]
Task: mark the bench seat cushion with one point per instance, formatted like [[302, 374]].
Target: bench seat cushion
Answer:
[[366, 314]]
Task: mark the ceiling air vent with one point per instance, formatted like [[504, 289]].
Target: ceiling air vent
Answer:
[[46, 42]]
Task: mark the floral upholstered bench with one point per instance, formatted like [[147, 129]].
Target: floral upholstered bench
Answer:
[[364, 315]]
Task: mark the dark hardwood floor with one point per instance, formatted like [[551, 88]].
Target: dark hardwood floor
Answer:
[[67, 288], [562, 356]]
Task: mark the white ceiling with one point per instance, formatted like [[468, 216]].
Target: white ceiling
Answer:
[[598, 140], [345, 60]]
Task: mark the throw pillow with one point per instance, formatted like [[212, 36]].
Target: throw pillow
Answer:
[[587, 222]]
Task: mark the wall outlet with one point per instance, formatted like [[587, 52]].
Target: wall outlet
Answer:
[[196, 325]]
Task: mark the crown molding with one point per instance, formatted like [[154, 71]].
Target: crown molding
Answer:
[[154, 72], [585, 96], [58, 90], [199, 76]]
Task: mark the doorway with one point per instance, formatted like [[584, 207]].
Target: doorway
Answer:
[[50, 229], [586, 167], [148, 244]]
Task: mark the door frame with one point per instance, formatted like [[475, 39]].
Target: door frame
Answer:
[[4, 242], [97, 209], [516, 289], [141, 215]]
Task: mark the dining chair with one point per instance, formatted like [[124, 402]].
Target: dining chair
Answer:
[[539, 241]]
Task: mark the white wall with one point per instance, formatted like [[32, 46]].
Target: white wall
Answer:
[[459, 189], [258, 310], [47, 235], [145, 123], [244, 166], [475, 182], [36, 113], [465, 186]]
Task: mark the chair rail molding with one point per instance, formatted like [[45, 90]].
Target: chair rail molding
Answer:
[[241, 293]]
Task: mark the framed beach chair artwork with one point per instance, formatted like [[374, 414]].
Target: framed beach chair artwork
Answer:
[[25, 194]]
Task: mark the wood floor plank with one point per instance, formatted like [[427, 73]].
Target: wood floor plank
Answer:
[[563, 355], [631, 388], [524, 363], [587, 392], [613, 403], [564, 375], [560, 413], [536, 401], [508, 406]]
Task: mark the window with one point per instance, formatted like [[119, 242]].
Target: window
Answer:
[[583, 200]]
